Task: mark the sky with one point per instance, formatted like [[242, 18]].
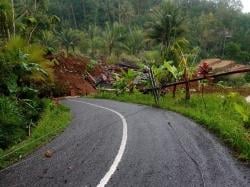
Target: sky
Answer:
[[246, 4]]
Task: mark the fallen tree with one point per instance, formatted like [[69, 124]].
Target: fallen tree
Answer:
[[245, 70]]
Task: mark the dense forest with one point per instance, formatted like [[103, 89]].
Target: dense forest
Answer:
[[217, 28], [152, 30]]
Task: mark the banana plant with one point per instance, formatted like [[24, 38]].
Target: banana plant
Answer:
[[186, 59], [126, 81], [168, 71]]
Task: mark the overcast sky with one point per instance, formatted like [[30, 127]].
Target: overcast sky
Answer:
[[246, 4]]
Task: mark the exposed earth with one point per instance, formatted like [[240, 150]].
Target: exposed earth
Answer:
[[77, 75]]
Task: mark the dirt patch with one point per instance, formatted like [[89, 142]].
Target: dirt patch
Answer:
[[74, 77], [219, 65], [70, 74]]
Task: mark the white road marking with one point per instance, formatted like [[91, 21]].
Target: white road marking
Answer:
[[122, 148]]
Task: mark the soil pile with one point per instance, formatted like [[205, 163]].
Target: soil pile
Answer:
[[71, 75], [76, 75]]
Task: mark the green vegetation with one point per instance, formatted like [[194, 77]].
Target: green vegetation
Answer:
[[53, 120], [217, 27], [220, 114]]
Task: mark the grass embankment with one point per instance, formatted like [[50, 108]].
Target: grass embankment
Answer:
[[219, 115], [53, 121]]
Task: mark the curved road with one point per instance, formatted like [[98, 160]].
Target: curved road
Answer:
[[116, 144]]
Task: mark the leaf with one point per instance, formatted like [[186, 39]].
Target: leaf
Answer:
[[172, 69], [242, 111], [32, 20]]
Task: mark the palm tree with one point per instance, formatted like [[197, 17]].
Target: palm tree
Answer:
[[165, 26], [5, 19], [48, 40], [113, 35], [69, 38], [134, 41], [94, 40]]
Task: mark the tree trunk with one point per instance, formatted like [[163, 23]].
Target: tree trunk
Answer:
[[67, 50], [119, 11], [13, 18], [31, 33], [73, 15], [84, 10], [188, 96], [174, 91], [110, 50], [202, 78], [35, 4], [187, 85], [202, 95]]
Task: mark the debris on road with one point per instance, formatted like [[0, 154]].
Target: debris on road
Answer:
[[49, 153]]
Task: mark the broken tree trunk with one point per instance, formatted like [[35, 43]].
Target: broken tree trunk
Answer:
[[203, 78]]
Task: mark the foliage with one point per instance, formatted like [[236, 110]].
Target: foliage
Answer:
[[126, 81], [217, 28], [48, 40], [12, 126], [152, 57], [247, 77], [5, 19], [134, 42], [167, 72], [54, 119], [113, 36], [91, 65], [69, 38], [23, 70], [22, 65], [244, 113], [166, 26]]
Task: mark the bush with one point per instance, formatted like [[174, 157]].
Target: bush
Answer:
[[12, 126], [31, 109], [247, 77]]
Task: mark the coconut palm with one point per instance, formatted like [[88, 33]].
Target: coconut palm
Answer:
[[49, 40], [134, 42], [165, 26], [69, 38], [113, 36]]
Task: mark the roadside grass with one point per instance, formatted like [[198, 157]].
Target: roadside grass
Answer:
[[53, 120], [217, 114]]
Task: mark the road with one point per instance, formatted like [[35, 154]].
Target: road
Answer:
[[117, 144]]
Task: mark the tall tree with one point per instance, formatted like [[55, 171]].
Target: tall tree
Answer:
[[166, 26], [113, 35]]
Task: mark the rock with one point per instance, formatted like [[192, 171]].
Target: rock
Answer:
[[49, 153]]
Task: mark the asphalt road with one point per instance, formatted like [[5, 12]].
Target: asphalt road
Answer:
[[128, 145]]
